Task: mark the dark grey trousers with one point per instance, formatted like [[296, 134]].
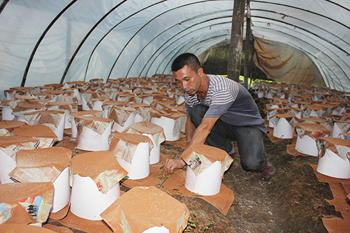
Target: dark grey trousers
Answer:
[[249, 139]]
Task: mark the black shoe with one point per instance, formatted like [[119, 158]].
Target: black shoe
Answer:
[[268, 172]]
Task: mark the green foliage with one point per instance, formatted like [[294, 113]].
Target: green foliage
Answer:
[[217, 62], [193, 224], [76, 151]]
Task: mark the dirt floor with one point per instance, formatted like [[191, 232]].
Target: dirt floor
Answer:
[[292, 201]]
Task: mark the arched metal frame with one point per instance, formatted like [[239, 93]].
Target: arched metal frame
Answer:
[[313, 46], [155, 37], [302, 49], [335, 55], [147, 23], [119, 55], [170, 47], [84, 39], [327, 81], [180, 34], [41, 39], [176, 47], [113, 28], [310, 23], [3, 5], [189, 46]]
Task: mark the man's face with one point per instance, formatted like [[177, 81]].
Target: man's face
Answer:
[[188, 79]]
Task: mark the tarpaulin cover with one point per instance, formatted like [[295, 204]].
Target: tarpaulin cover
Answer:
[[285, 64]]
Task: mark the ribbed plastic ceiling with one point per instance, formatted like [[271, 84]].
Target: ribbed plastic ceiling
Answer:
[[320, 29], [50, 41]]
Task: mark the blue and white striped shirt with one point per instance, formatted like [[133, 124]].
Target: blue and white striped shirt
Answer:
[[229, 101]]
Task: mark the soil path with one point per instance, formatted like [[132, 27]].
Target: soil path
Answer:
[[292, 201]]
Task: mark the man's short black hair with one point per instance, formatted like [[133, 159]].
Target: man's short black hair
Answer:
[[186, 59]]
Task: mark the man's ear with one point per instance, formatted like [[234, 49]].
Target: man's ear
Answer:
[[200, 71]]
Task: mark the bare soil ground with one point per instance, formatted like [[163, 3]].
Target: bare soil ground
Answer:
[[292, 201]]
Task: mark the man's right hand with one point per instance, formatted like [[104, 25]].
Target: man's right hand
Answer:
[[171, 164]]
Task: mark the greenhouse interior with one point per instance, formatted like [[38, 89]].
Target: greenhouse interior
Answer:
[[148, 116]]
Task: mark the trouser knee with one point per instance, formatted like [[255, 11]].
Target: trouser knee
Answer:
[[197, 113], [253, 164]]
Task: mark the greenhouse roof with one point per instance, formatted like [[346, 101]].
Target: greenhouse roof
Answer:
[[48, 41]]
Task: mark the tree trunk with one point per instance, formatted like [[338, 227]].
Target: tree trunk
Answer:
[[247, 44], [236, 43]]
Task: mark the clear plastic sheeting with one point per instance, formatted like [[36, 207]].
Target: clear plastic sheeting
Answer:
[[48, 41]]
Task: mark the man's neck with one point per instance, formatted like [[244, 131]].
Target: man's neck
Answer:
[[202, 92]]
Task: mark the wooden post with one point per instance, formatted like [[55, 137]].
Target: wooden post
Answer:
[[251, 60], [247, 44], [236, 43]]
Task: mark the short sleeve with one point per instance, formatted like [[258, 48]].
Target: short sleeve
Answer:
[[222, 97], [216, 110]]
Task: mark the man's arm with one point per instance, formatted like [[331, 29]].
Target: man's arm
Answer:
[[189, 130], [201, 133], [198, 135]]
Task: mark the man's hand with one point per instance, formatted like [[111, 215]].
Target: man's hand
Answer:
[[171, 164]]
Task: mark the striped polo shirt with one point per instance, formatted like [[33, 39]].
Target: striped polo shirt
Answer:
[[229, 101]]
